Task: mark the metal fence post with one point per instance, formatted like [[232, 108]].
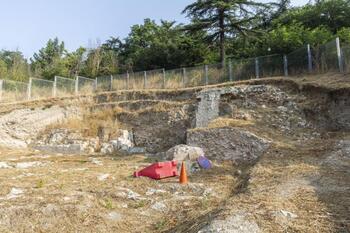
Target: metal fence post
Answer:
[[309, 58], [77, 85], [29, 90], [111, 84], [183, 77], [95, 85], [230, 72], [206, 74], [54, 88], [144, 79], [127, 80], [339, 54], [285, 65], [1, 86], [164, 79], [257, 67]]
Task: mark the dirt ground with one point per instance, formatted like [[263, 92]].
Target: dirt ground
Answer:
[[79, 193]]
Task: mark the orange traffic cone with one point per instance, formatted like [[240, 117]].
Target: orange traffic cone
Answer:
[[183, 175]]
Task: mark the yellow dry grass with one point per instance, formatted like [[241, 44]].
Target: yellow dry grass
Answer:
[[229, 122], [66, 194]]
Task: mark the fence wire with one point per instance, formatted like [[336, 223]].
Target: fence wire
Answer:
[[12, 91], [271, 66], [195, 76], [137, 80], [244, 69], [155, 79], [41, 88], [325, 58], [120, 82], [104, 83], [64, 86], [85, 85], [217, 73], [298, 61], [175, 78], [346, 58]]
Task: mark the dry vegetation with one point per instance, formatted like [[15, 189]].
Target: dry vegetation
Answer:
[[92, 194]]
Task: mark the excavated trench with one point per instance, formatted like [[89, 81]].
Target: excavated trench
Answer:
[[245, 123]]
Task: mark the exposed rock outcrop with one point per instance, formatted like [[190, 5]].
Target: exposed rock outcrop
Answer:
[[228, 143]]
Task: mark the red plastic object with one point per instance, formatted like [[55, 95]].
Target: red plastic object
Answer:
[[159, 171]]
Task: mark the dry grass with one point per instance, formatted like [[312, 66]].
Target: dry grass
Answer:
[[64, 194], [90, 124], [229, 122]]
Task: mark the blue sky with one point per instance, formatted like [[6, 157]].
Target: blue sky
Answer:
[[27, 25]]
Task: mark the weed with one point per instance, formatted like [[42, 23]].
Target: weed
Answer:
[[161, 225], [107, 203], [39, 184], [139, 204]]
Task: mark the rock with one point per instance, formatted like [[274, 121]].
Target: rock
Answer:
[[123, 142], [128, 193], [137, 150], [152, 191], [4, 165], [96, 161], [288, 214], [14, 193], [159, 206], [114, 216], [184, 152], [50, 210], [236, 223], [62, 149], [233, 144], [282, 108], [103, 177], [26, 165], [107, 148]]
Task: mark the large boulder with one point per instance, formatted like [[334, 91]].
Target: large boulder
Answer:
[[228, 143], [187, 154], [184, 152]]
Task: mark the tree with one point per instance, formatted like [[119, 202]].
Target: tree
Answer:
[[48, 62], [165, 45], [333, 14], [13, 65], [75, 61], [222, 18]]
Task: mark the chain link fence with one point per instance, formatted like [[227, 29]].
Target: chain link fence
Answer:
[[175, 79], [104, 83], [298, 61], [40, 88], [120, 82], [12, 91], [329, 57], [84, 85], [64, 86]]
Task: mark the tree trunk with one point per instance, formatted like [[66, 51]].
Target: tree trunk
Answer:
[[222, 38]]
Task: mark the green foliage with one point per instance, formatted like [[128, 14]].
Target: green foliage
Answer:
[[333, 14], [49, 62], [152, 46], [223, 18], [344, 35], [13, 66]]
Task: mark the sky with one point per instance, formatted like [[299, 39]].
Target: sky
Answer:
[[27, 25]]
